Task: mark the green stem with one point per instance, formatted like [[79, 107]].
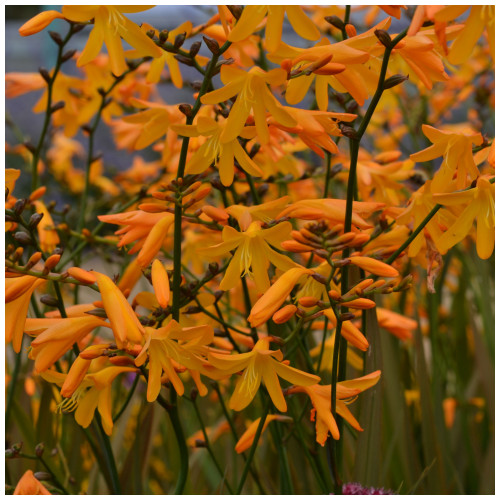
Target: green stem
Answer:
[[109, 458], [251, 453], [327, 173], [48, 112], [12, 385], [209, 448]]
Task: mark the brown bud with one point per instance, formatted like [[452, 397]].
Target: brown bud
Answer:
[[348, 131], [346, 316], [163, 36], [56, 37], [394, 80], [236, 10], [335, 21], [68, 55], [23, 238], [48, 300], [212, 45], [184, 60], [42, 475], [185, 109], [45, 74], [195, 48], [384, 37], [99, 312], [19, 206], [39, 448], [35, 220], [179, 40]]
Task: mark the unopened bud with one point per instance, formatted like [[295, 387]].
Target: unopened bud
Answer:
[[68, 55], [212, 45], [348, 131], [200, 443], [56, 37], [150, 33], [184, 60], [394, 80], [179, 40], [163, 36], [81, 275], [284, 314], [236, 10], [34, 259], [335, 21], [23, 238], [39, 449], [35, 220], [350, 30], [51, 262], [42, 476], [37, 193], [48, 300], [195, 48], [308, 301], [19, 206], [384, 37], [320, 279], [215, 213], [45, 74], [98, 311], [346, 316], [185, 109]]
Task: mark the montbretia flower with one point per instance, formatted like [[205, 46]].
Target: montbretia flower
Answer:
[[94, 392], [110, 25], [320, 396], [397, 324], [479, 203], [253, 253], [248, 436], [215, 150], [253, 94], [171, 346], [49, 238], [456, 149], [253, 15], [257, 365]]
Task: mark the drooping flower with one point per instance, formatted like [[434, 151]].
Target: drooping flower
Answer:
[[253, 253], [257, 365], [320, 396], [253, 94], [110, 25]]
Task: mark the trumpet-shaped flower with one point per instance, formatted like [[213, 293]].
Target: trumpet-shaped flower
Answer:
[[170, 346], [215, 150], [320, 396], [479, 203], [109, 26], [253, 253], [257, 365], [253, 15], [253, 94], [49, 238], [456, 150]]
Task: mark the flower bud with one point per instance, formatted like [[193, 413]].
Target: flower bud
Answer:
[[335, 21], [39, 449], [185, 109], [51, 262], [179, 40], [384, 37], [215, 213], [308, 301], [195, 48], [212, 45], [48, 300], [236, 10], [350, 30], [23, 238], [81, 275], [184, 60], [45, 74], [394, 80], [68, 55], [56, 37], [284, 314]]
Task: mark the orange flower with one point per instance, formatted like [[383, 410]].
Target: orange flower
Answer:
[[247, 438], [49, 238], [395, 323], [271, 301], [260, 363], [30, 485], [39, 22], [321, 399], [17, 84], [124, 322], [19, 291], [161, 284]]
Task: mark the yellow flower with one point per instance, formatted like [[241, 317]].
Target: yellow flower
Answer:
[[49, 238], [110, 25], [456, 150], [161, 284], [94, 392], [479, 203], [246, 440], [30, 485], [480, 17], [253, 94], [253, 253], [260, 363], [321, 399], [253, 15], [170, 346], [215, 150]]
